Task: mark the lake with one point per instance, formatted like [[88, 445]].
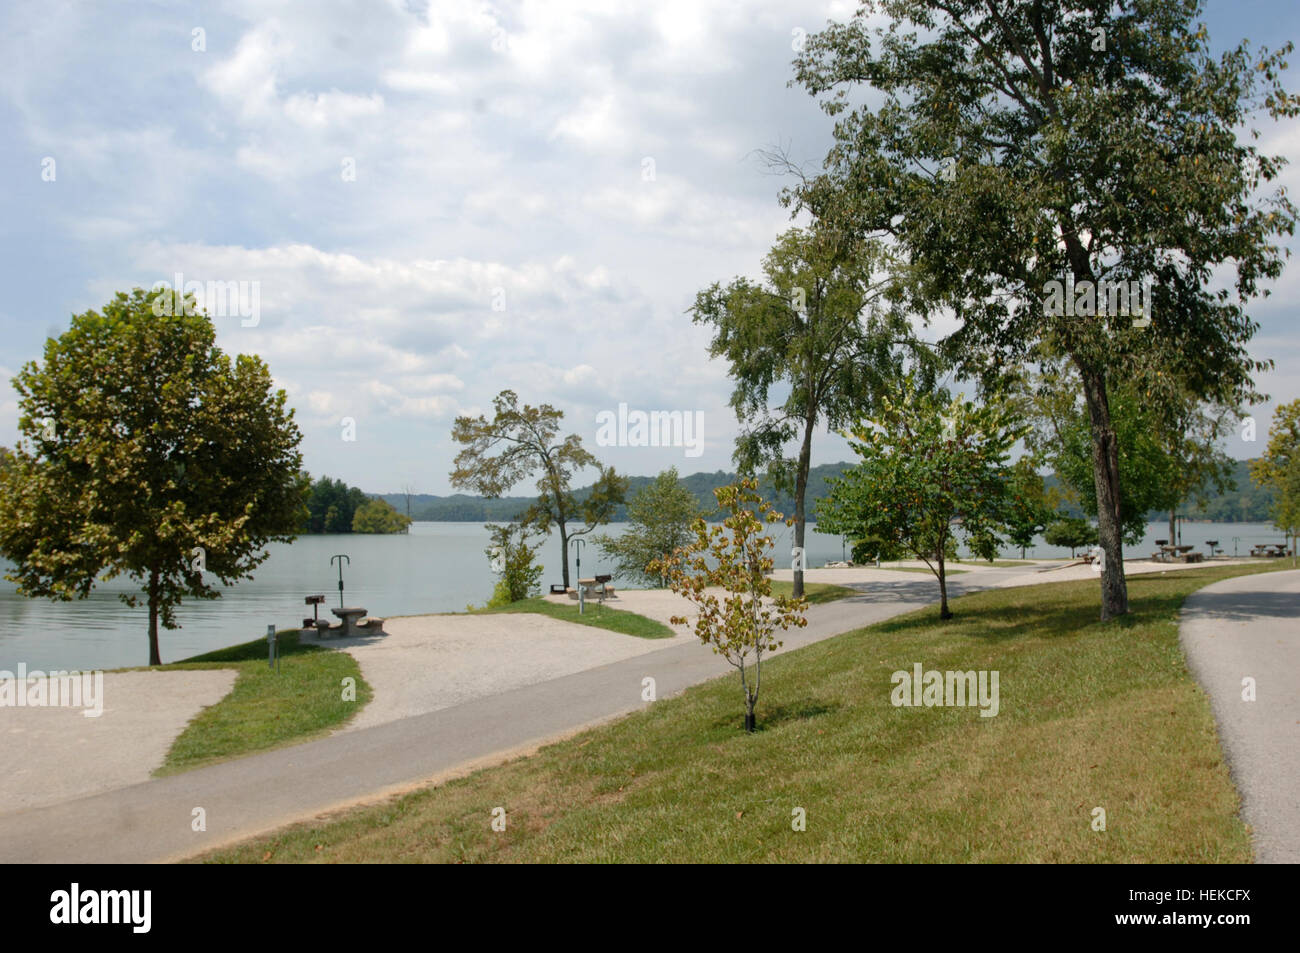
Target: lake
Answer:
[[437, 567]]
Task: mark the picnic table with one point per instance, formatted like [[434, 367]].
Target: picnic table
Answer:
[[1269, 549], [350, 615], [1170, 554], [595, 586]]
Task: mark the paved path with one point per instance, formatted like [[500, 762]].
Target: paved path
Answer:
[[1249, 627], [153, 821]]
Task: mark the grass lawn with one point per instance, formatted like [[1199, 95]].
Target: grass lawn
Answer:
[[1091, 715], [815, 592], [597, 616], [265, 709]]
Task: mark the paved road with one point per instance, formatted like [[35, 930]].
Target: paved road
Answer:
[[1249, 627], [153, 821]]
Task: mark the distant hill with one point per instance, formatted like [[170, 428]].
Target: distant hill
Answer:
[[475, 509], [1246, 503]]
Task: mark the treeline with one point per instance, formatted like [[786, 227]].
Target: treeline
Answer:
[[462, 508], [1246, 503], [335, 507]]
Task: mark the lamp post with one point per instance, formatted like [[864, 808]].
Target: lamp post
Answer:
[[579, 542], [340, 557]]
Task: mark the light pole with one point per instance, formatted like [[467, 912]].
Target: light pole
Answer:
[[340, 557], [579, 542]]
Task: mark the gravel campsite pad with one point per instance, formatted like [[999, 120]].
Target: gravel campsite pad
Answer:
[[57, 753]]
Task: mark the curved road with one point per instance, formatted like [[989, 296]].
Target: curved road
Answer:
[[1249, 628], [154, 821]]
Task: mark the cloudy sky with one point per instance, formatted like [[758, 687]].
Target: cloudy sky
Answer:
[[437, 200]]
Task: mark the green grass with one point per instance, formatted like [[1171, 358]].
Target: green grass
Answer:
[[596, 615], [815, 592], [264, 709], [1092, 715]]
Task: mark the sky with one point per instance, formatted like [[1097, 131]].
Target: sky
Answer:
[[430, 202]]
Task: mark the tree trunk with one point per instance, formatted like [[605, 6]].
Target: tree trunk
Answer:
[[1173, 527], [943, 591], [800, 512], [564, 551], [154, 658], [1105, 471]]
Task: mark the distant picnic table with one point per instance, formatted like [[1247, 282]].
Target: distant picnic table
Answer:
[[1170, 553]]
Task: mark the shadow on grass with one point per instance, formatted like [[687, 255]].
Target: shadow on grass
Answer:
[[1000, 615], [776, 716]]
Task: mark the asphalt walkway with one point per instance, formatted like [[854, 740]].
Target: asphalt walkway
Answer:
[[1249, 628]]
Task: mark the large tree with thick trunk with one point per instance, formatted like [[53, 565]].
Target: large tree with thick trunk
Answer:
[[1007, 145]]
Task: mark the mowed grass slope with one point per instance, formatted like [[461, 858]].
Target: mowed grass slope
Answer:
[[815, 592], [1091, 715], [267, 709], [596, 615]]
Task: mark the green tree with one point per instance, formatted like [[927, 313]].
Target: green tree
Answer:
[[734, 556], [660, 514], [1286, 513], [148, 453], [1071, 531], [1169, 453], [1011, 149], [514, 559], [379, 516], [525, 441], [1027, 508], [332, 506], [1277, 468], [931, 466], [815, 334], [873, 549]]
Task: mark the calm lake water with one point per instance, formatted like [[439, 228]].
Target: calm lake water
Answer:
[[437, 567]]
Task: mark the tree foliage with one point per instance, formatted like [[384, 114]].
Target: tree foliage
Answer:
[[146, 452], [332, 506], [1169, 454], [1279, 468], [379, 516], [1013, 144], [512, 556], [519, 441], [660, 515], [819, 332], [1028, 510], [743, 621], [930, 467], [1071, 531]]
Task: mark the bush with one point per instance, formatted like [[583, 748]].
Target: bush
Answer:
[[514, 559]]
